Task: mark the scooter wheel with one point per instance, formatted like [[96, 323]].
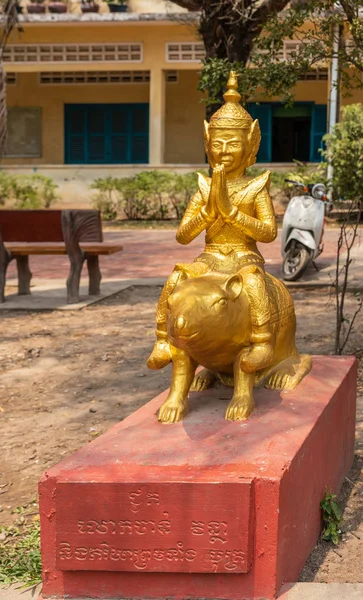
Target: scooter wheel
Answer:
[[296, 262]]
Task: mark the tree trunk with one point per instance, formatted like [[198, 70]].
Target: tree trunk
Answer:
[[224, 38]]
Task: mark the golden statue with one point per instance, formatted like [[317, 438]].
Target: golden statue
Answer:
[[223, 311]]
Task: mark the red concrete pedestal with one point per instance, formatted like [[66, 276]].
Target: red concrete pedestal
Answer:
[[205, 508]]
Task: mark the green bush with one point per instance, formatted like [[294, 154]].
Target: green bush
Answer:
[[6, 187], [149, 195], [27, 191], [344, 150], [146, 195], [107, 197], [181, 192], [156, 195]]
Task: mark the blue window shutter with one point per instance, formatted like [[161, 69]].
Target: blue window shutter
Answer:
[[106, 133], [318, 129], [75, 135], [263, 112], [140, 134]]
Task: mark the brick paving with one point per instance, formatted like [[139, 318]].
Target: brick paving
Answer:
[[153, 253]]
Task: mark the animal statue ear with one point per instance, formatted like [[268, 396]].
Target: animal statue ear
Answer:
[[233, 286], [183, 272], [206, 136], [255, 141]]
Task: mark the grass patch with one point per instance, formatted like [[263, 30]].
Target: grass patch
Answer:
[[20, 559]]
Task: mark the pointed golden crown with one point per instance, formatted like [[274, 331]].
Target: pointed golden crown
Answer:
[[231, 115]]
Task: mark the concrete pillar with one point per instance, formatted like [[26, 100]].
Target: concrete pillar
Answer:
[[157, 117]]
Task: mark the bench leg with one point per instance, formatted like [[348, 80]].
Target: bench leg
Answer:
[[24, 275], [74, 280], [4, 261], [95, 276]]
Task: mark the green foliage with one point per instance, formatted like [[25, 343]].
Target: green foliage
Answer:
[[151, 195], [267, 78], [306, 174], [155, 195], [344, 150], [263, 72], [27, 191], [181, 192], [145, 195], [332, 517], [106, 198], [20, 559], [6, 184], [277, 178], [46, 189]]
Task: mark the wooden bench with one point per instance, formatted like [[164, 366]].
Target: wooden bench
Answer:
[[77, 233]]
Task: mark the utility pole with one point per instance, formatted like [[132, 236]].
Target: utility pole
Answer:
[[334, 94]]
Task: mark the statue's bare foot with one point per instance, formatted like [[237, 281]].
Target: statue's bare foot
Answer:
[[173, 411], [239, 408], [257, 357], [203, 380], [160, 356]]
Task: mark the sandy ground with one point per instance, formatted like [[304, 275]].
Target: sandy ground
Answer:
[[68, 377]]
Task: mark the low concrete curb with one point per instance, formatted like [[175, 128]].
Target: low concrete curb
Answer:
[[50, 294], [322, 591]]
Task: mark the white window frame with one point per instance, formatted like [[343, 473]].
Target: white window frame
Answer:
[[57, 53], [174, 76], [83, 77], [180, 51], [11, 78]]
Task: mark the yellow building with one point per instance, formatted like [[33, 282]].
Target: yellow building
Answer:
[[98, 90]]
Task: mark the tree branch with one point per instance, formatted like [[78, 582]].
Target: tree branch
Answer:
[[192, 5], [350, 10], [266, 9]]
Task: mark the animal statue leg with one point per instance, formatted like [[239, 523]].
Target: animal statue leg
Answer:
[[288, 374], [161, 353], [260, 353], [242, 403], [175, 407], [203, 380]]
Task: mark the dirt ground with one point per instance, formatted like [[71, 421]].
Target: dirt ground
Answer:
[[66, 377]]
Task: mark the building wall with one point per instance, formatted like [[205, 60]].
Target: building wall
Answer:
[[52, 98], [154, 35], [183, 116], [184, 121], [184, 113], [305, 91]]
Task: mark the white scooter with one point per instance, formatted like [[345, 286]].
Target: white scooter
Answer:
[[302, 229]]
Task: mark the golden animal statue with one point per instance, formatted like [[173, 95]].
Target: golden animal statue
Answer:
[[223, 312]]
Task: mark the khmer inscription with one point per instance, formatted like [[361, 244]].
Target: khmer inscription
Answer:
[[168, 527]]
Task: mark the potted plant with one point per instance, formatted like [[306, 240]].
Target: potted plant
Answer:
[[117, 5], [57, 7], [89, 6], [36, 7]]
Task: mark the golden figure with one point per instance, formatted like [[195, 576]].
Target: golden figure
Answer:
[[222, 311]]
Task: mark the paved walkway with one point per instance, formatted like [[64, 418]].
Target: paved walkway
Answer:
[[298, 591], [153, 253], [148, 258]]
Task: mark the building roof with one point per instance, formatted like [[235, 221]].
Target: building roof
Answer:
[[47, 18]]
